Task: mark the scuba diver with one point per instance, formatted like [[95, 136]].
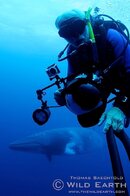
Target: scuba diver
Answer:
[[98, 55]]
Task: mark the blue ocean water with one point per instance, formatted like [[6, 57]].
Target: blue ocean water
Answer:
[[28, 44]]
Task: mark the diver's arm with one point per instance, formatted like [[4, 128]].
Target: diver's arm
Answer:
[[71, 62], [70, 69], [118, 43]]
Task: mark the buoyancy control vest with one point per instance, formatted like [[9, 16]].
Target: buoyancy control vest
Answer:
[[105, 53], [105, 50]]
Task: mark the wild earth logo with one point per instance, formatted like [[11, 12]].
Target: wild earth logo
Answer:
[[58, 184], [88, 185]]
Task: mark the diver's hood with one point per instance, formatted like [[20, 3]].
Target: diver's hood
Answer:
[[66, 17]]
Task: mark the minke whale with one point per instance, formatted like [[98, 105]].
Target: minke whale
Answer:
[[62, 141]]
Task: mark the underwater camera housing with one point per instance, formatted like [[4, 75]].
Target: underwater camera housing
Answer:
[[52, 71]]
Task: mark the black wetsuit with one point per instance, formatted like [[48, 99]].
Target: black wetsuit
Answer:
[[109, 50]]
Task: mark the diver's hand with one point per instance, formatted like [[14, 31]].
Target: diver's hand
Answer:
[[115, 118]]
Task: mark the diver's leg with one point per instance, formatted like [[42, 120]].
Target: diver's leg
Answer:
[[125, 141], [116, 163]]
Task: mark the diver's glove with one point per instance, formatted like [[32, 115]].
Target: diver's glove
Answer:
[[115, 118], [60, 97]]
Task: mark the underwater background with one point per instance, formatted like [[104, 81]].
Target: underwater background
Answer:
[[29, 43]]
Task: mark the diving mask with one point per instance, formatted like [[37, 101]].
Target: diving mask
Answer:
[[73, 28]]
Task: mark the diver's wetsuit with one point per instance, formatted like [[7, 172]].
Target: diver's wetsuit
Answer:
[[109, 49]]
